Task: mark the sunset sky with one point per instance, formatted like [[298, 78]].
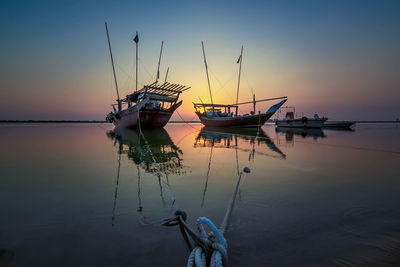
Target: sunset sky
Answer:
[[340, 59]]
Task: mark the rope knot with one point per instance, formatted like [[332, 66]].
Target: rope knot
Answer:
[[173, 221]]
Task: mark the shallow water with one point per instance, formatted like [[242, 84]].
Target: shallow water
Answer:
[[79, 194]]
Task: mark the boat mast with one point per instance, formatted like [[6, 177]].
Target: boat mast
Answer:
[[240, 70], [254, 103], [208, 79], [112, 63], [166, 75], [159, 60], [136, 40]]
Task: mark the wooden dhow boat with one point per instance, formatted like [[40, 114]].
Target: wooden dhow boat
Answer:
[[150, 107], [221, 115]]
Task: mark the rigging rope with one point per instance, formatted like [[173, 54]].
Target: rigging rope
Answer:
[[222, 86], [185, 121]]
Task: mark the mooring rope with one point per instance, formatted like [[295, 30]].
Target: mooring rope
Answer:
[[210, 247], [185, 121]]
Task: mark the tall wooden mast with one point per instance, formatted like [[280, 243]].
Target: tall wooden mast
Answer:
[[254, 103], [240, 70], [208, 79], [166, 75], [136, 40], [159, 60], [112, 63]]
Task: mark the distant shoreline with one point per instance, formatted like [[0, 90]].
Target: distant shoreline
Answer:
[[96, 121]]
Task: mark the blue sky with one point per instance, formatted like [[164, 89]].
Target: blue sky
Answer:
[[337, 58]]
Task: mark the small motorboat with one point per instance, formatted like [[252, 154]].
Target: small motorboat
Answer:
[[303, 122]]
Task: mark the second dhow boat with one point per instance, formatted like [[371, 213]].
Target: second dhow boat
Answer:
[[150, 107], [212, 114]]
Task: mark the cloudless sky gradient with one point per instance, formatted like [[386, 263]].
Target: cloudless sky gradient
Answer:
[[336, 58]]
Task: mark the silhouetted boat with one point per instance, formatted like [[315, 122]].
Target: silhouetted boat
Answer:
[[150, 107], [213, 115]]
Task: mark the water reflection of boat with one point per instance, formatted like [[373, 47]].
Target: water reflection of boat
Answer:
[[314, 133], [153, 151], [227, 138], [166, 154]]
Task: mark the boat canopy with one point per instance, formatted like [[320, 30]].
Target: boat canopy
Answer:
[[213, 105], [167, 92], [214, 108]]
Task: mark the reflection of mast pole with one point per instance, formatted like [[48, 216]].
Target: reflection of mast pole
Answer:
[[140, 208], [237, 163], [116, 189], [208, 172], [161, 189], [237, 159]]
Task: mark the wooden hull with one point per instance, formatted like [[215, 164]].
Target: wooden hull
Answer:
[[246, 121], [148, 119], [300, 123]]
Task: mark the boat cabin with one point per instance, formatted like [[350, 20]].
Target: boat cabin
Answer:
[[215, 110], [289, 115]]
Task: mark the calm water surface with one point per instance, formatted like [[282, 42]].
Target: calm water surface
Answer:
[[83, 195]]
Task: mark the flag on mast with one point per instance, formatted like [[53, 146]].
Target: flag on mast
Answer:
[[239, 59], [136, 39]]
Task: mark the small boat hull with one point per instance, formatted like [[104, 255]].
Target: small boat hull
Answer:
[[301, 123], [339, 124], [148, 119], [245, 121]]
